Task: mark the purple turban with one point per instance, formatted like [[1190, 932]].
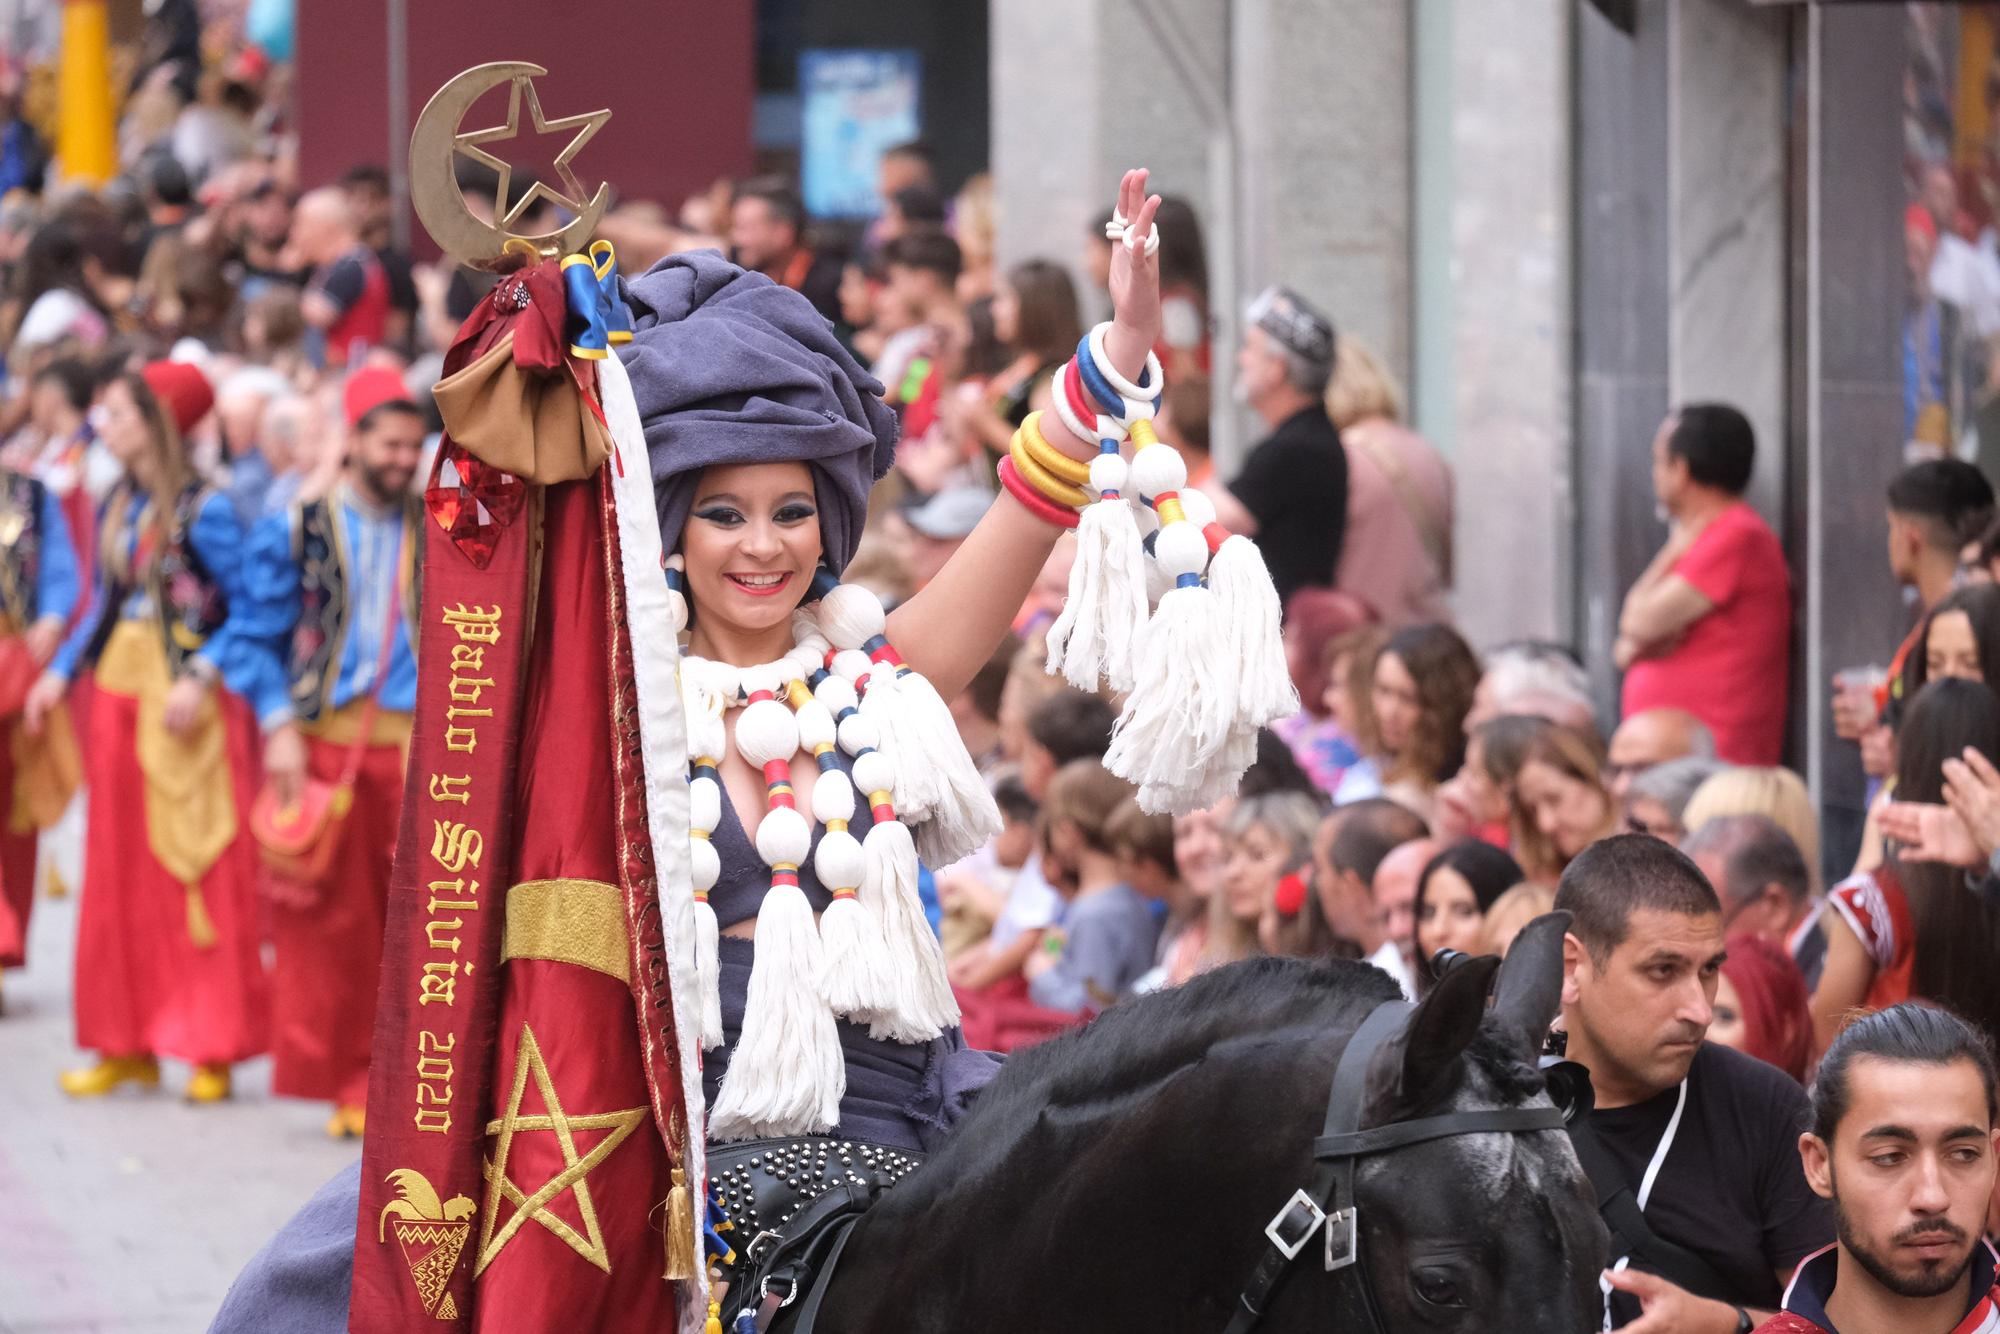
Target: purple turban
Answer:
[[729, 367]]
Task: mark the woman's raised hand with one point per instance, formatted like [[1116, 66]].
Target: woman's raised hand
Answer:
[[1135, 280]]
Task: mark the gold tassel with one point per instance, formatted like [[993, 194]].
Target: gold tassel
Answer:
[[714, 1325], [201, 928], [680, 1230]]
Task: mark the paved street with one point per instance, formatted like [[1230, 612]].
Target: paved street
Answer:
[[133, 1213]]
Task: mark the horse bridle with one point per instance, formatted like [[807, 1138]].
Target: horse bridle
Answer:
[[1327, 1201]]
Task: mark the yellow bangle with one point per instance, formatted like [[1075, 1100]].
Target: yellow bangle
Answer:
[[1072, 470], [1045, 482]]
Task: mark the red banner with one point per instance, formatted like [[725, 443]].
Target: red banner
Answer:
[[431, 1076]]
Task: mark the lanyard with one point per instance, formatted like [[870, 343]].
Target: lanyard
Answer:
[[1645, 1192]]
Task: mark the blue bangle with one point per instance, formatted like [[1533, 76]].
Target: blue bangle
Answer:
[[1109, 400]]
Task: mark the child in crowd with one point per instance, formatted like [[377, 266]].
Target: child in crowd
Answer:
[[1109, 930], [974, 891], [1062, 728]]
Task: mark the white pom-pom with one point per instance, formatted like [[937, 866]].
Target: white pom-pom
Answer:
[[859, 732], [1200, 510], [708, 971], [833, 799], [853, 664], [922, 1005], [874, 773], [787, 1073], [677, 612], [837, 861], [707, 737], [837, 693], [704, 804], [1158, 469], [815, 726], [1180, 549], [704, 864], [783, 837], [766, 731], [850, 616], [1108, 472]]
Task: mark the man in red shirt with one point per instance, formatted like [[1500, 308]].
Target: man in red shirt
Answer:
[[1902, 1141], [1707, 628]]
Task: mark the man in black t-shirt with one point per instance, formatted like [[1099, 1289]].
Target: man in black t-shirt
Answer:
[[1291, 495], [1691, 1146]]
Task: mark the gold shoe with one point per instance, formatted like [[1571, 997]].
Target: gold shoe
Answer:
[[110, 1071], [347, 1123], [209, 1084]]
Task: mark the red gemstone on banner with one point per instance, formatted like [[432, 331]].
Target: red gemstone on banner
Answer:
[[444, 497], [477, 541], [473, 502], [501, 492]]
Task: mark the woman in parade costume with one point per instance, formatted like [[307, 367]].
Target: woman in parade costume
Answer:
[[752, 527], [167, 960], [38, 775], [764, 438]]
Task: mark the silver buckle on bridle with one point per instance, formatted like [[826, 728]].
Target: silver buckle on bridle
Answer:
[[1343, 1238], [1286, 1234]]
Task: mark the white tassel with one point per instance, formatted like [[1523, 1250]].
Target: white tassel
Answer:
[[1250, 610], [1223, 777], [923, 1005], [787, 1074], [1181, 710], [708, 972], [853, 978], [1105, 609]]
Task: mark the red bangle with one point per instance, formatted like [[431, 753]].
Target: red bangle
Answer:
[[1037, 504], [1079, 401]]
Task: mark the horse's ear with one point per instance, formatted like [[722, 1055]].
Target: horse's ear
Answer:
[[1530, 990], [1418, 1067]]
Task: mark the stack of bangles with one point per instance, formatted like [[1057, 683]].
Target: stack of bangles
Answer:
[[1095, 403]]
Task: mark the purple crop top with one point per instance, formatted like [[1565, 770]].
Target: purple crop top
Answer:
[[739, 893]]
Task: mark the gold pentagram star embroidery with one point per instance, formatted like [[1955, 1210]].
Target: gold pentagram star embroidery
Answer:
[[585, 124], [573, 1177]]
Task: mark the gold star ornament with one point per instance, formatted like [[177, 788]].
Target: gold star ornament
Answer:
[[436, 142], [521, 88], [532, 1206]]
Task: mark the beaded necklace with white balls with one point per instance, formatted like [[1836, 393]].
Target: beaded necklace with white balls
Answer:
[[871, 957]]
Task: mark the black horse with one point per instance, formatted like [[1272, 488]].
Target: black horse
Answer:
[[1120, 1178]]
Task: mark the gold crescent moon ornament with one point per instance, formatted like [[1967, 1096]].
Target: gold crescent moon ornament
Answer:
[[437, 141]]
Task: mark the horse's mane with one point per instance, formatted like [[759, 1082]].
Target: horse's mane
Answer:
[[1135, 1046], [1137, 1043]]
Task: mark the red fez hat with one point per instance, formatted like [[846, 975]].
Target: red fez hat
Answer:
[[182, 390], [369, 388]]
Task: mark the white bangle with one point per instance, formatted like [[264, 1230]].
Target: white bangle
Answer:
[[1139, 400]]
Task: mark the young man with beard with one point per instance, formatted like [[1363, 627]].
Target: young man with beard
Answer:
[[335, 580], [1689, 1146], [1903, 1143]]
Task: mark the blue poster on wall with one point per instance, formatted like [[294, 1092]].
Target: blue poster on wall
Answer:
[[856, 104]]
